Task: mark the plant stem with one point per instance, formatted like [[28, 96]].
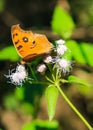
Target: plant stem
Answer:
[[33, 74], [74, 108]]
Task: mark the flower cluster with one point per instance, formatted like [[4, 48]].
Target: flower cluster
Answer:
[[18, 76], [61, 62], [58, 61], [42, 67]]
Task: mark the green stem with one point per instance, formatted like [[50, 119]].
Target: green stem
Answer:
[[74, 108], [34, 76], [48, 79]]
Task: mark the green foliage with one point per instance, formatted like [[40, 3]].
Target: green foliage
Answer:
[[76, 80], [10, 102], [41, 125], [76, 53], [87, 51], [86, 91], [62, 22], [27, 108], [2, 5], [84, 87], [81, 52], [51, 98], [19, 93], [9, 53]]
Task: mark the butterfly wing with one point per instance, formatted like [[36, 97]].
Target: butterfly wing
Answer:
[[21, 40], [29, 45], [42, 46]]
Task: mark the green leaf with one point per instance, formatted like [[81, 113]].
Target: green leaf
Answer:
[[87, 50], [10, 102], [62, 22], [76, 51], [51, 98], [9, 53], [19, 93], [27, 108], [76, 80], [47, 124], [41, 125], [29, 126]]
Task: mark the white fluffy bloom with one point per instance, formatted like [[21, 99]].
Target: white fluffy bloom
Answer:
[[61, 49], [41, 68], [48, 59], [63, 65], [20, 68], [18, 76], [60, 42]]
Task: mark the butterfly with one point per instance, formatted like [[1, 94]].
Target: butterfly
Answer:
[[29, 45]]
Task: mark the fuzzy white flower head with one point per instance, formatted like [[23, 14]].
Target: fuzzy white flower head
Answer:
[[61, 49], [48, 59], [20, 68], [18, 76], [15, 78], [21, 75], [60, 42], [63, 65], [41, 68]]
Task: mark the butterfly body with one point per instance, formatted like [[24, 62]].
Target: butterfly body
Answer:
[[29, 45]]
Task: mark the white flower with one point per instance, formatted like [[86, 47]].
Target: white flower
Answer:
[[63, 65], [60, 42], [15, 78], [61, 49], [48, 59], [18, 76], [20, 68], [21, 75], [41, 68]]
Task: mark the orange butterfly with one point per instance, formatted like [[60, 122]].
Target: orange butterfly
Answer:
[[29, 45]]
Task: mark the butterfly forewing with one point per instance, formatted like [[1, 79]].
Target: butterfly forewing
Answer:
[[29, 45]]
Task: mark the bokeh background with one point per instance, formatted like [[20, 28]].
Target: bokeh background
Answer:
[[19, 106]]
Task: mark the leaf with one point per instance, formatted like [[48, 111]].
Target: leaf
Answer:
[[87, 50], [41, 125], [9, 53], [29, 126], [76, 80], [53, 125], [19, 93], [76, 51], [83, 86], [27, 108], [51, 98], [62, 22], [82, 52]]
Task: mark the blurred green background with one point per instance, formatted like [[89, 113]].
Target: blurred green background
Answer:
[[71, 20]]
